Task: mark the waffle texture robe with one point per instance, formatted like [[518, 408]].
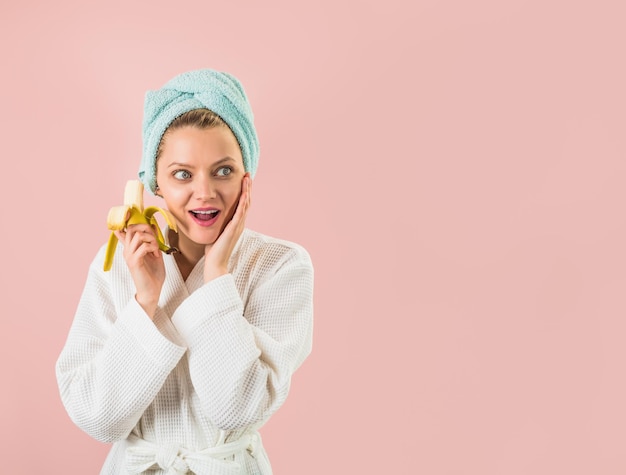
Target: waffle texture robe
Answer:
[[187, 392]]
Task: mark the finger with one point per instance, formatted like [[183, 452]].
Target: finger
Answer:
[[245, 190], [125, 238], [249, 191], [244, 183], [139, 228], [144, 250], [141, 237], [244, 199], [149, 249], [121, 236]]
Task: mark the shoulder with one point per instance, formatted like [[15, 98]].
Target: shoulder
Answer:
[[269, 252], [275, 268]]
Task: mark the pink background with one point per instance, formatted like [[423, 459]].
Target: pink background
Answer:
[[456, 170]]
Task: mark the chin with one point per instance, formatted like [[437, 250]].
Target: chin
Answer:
[[204, 239]]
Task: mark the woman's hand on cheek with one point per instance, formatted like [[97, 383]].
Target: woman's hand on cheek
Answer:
[[217, 254], [145, 262]]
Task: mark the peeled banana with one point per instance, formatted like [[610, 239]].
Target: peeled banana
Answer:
[[132, 212]]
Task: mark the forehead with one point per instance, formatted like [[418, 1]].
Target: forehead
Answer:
[[193, 143]]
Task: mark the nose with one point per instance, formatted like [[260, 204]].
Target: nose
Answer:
[[205, 188]]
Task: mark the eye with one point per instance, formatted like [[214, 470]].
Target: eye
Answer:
[[224, 171], [182, 175]]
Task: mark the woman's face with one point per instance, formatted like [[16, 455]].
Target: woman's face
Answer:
[[199, 175]]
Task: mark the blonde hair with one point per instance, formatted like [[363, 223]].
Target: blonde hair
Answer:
[[199, 118]]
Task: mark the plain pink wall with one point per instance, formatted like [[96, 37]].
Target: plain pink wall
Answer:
[[456, 170]]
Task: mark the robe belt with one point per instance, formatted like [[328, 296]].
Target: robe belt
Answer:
[[142, 455]]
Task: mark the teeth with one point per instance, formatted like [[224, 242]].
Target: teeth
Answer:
[[133, 212], [213, 211]]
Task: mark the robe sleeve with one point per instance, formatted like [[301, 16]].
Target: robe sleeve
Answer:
[[242, 354], [113, 362]]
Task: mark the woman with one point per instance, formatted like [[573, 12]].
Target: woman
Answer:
[[178, 359]]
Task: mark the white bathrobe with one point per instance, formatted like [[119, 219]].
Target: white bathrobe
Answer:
[[187, 392]]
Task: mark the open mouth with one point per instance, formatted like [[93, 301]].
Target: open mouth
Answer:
[[205, 217]]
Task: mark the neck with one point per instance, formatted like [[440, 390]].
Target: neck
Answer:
[[189, 253]]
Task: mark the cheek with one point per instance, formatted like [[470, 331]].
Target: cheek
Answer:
[[232, 196], [174, 198]]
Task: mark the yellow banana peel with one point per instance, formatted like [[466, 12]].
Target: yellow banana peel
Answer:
[[133, 212]]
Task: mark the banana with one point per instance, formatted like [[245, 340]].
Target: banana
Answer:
[[132, 212]]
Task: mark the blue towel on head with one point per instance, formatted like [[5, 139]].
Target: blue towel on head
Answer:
[[219, 92]]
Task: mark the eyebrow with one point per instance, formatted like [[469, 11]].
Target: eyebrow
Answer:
[[187, 165]]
